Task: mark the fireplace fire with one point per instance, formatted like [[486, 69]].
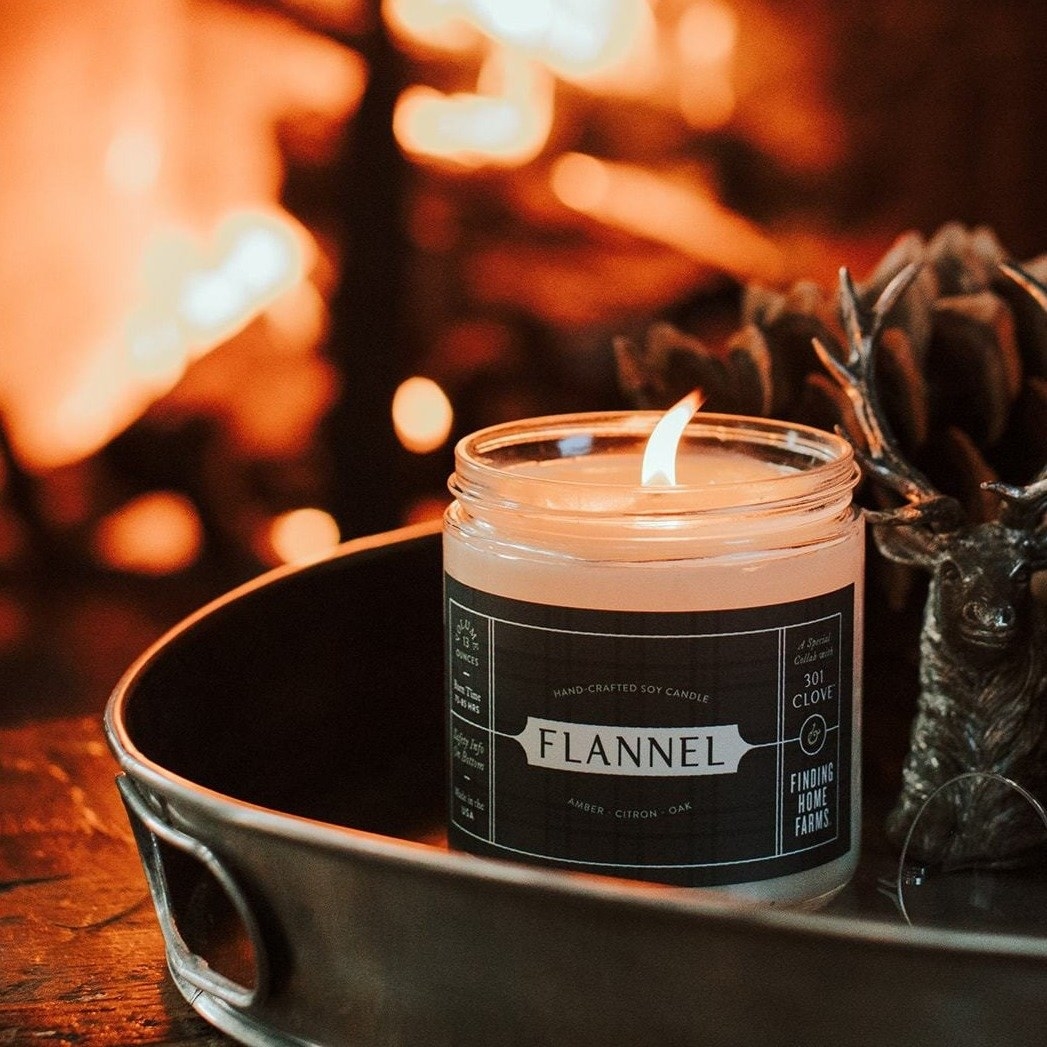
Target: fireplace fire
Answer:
[[264, 261]]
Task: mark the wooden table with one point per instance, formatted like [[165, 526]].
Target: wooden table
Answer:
[[81, 956]]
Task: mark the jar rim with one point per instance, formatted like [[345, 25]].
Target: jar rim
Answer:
[[817, 465]]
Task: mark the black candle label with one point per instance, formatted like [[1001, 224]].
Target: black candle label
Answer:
[[694, 748]]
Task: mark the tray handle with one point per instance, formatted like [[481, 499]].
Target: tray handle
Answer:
[[149, 829]]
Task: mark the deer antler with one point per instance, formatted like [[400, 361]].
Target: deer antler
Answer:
[[1027, 282], [856, 377], [1024, 507]]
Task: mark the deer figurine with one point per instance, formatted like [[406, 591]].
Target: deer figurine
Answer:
[[982, 705]]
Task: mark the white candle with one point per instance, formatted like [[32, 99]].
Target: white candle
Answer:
[[661, 681]]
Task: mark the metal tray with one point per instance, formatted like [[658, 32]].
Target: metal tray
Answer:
[[283, 770]]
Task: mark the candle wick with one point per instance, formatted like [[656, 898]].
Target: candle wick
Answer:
[[659, 456]]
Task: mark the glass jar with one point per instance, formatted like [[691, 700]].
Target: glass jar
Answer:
[[661, 683]]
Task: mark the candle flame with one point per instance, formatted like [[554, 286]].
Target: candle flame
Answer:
[[659, 456]]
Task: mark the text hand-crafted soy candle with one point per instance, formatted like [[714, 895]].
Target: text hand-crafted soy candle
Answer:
[[653, 667]]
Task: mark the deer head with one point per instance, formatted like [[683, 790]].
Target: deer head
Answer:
[[983, 658]]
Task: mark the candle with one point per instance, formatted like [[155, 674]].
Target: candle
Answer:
[[658, 680]]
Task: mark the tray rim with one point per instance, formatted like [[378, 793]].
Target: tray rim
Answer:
[[687, 903]]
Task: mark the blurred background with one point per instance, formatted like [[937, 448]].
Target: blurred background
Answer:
[[262, 263]]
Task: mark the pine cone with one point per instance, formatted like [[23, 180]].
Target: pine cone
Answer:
[[961, 366]]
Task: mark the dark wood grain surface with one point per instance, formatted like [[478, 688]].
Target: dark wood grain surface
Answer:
[[81, 956]]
